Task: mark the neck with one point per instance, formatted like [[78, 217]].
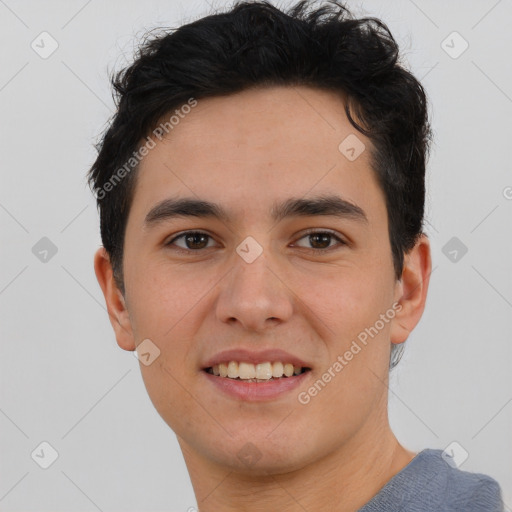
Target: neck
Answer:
[[343, 481]]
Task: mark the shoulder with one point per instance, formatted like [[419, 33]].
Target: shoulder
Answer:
[[464, 490], [433, 482]]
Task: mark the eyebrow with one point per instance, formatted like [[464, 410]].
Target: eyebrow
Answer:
[[330, 205]]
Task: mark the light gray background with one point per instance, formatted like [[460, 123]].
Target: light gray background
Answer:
[[65, 381]]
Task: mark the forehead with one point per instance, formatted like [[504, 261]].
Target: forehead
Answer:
[[257, 147], [289, 123]]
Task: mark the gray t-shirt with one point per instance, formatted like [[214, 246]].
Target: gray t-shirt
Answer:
[[429, 484]]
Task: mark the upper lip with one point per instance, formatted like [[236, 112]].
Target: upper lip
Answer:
[[248, 356]]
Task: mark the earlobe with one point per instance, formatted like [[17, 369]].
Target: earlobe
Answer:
[[412, 290], [115, 302]]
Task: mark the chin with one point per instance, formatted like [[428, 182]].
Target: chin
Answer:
[[258, 455]]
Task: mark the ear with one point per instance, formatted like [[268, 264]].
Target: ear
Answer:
[[411, 290], [116, 305]]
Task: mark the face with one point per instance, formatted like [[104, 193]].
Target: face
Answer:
[[271, 273]]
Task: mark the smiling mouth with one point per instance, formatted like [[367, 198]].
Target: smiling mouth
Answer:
[[261, 372]]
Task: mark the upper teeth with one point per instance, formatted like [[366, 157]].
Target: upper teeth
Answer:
[[263, 371]]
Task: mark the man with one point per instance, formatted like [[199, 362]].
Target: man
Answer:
[[261, 194]]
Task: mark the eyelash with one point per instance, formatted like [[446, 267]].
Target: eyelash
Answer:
[[308, 233]]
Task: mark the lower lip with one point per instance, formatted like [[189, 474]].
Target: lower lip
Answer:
[[256, 391]]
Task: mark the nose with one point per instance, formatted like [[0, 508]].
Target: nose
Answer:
[[254, 295]]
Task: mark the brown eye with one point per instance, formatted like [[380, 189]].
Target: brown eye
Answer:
[[321, 240], [193, 240]]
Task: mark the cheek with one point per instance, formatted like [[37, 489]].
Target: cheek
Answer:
[[345, 299], [167, 308], [163, 297]]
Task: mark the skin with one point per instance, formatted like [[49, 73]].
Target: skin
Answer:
[[245, 152]]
